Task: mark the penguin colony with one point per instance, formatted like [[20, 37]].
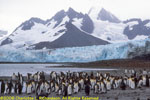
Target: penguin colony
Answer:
[[70, 83]]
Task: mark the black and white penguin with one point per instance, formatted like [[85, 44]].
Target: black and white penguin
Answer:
[[93, 82], [140, 83], [24, 87], [81, 81], [47, 87], [147, 81], [122, 85], [63, 87], [14, 77], [76, 87], [125, 80], [99, 86], [38, 91], [129, 81], [35, 77], [60, 90], [52, 85], [10, 86], [53, 75], [103, 87], [19, 88], [96, 88], [33, 86], [42, 76], [56, 87], [112, 78], [18, 76], [70, 81], [42, 87], [144, 72], [98, 74], [2, 87], [133, 71], [65, 92], [16, 87], [29, 88], [87, 89], [144, 80], [108, 85], [21, 79], [6, 88], [38, 76], [70, 89], [133, 83], [14, 83], [116, 83], [29, 76]]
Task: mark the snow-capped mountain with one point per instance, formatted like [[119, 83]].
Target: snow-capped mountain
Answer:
[[80, 20], [70, 36], [73, 37], [137, 28], [109, 28], [36, 31], [107, 16], [3, 34], [103, 15], [111, 32], [28, 32], [98, 24], [121, 32]]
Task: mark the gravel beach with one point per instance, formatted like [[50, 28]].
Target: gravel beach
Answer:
[[117, 94]]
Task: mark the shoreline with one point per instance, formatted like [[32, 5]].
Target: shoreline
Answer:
[[115, 63], [118, 94]]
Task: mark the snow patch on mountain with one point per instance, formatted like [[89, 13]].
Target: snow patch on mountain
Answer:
[[51, 24], [148, 25], [3, 34], [110, 28], [39, 32], [55, 33], [93, 12], [29, 36], [77, 22], [140, 37], [112, 32], [131, 24]]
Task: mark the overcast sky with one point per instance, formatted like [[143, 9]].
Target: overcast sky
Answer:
[[14, 12]]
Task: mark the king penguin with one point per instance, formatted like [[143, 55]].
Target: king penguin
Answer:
[[2, 87]]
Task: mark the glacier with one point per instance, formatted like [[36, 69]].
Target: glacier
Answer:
[[75, 54]]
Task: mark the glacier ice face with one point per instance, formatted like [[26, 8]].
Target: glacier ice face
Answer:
[[75, 54]]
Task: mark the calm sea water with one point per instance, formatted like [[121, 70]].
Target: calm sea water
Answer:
[[9, 69]]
